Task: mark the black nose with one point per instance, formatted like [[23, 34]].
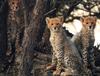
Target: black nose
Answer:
[[90, 27], [54, 28]]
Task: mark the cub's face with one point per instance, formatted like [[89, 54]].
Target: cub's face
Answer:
[[14, 4], [55, 24], [89, 22]]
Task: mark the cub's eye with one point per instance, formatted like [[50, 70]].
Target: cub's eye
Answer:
[[92, 23], [52, 24], [13, 3], [87, 23], [57, 23]]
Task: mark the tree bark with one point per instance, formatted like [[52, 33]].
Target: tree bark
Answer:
[[30, 38]]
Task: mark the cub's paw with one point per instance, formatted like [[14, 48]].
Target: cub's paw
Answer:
[[50, 67], [57, 73]]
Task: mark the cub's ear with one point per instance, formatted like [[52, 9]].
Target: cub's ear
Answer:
[[47, 20], [82, 19], [95, 18], [61, 19]]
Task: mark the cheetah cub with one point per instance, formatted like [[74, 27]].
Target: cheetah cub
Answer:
[[85, 40], [65, 56]]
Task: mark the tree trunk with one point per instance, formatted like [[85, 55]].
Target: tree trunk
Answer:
[[30, 38]]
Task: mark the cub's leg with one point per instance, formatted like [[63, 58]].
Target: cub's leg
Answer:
[[52, 66], [60, 59]]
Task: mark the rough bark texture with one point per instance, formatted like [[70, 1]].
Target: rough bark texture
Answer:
[[30, 38]]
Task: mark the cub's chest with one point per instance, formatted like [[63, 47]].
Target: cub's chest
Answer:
[[56, 39]]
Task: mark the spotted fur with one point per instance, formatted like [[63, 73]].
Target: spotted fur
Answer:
[[12, 24]]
